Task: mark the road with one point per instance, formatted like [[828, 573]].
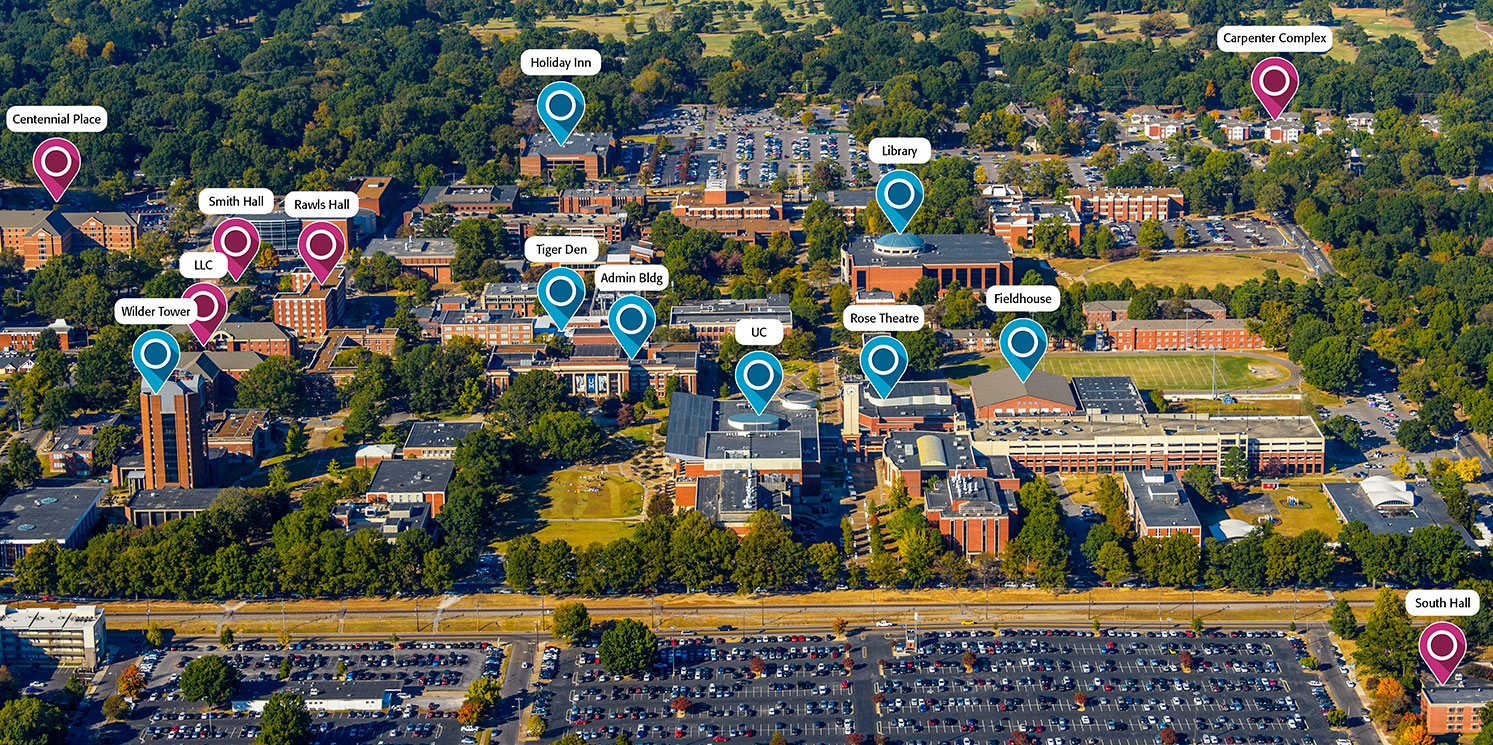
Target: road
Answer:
[[1316, 259], [1347, 698]]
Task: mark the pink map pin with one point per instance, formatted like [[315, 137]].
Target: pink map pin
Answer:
[[56, 162], [322, 246], [1442, 645], [237, 239], [1275, 81], [212, 308]]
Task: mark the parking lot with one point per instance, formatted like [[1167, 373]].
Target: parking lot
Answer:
[[419, 683], [962, 687]]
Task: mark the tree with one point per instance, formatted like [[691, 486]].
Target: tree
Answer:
[[285, 721], [115, 708], [1414, 435], [568, 435], [225, 637], [31, 721], [22, 465], [628, 648], [1387, 644], [535, 727], [570, 622], [155, 636], [296, 439], [1200, 478], [209, 679], [276, 384], [1235, 465], [1151, 236], [131, 682], [1105, 22], [1344, 623]]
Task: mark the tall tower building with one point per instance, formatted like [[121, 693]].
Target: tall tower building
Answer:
[[171, 423]]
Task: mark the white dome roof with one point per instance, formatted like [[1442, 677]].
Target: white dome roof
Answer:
[[1231, 529], [1382, 490]]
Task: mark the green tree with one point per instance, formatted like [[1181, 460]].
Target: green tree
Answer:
[[628, 648], [225, 637], [1235, 465], [276, 384], [296, 439], [570, 622], [768, 557], [209, 679], [115, 708], [31, 721], [1387, 644], [285, 721]]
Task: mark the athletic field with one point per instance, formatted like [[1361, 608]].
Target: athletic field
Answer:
[[1150, 371]]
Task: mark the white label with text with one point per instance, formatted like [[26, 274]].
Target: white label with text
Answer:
[[880, 317], [1442, 602], [631, 278], [203, 265], [1023, 298], [154, 311], [56, 118], [759, 332], [321, 205], [225, 201], [561, 249], [1275, 39], [893, 150], [560, 62]]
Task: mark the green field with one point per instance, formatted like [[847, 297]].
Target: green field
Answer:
[[1197, 269], [614, 24], [579, 506], [1312, 511], [1150, 371]]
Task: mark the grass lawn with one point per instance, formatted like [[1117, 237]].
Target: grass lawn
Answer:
[[584, 534], [1198, 269], [1317, 512], [1151, 371], [1274, 407], [614, 24], [641, 433], [579, 505]]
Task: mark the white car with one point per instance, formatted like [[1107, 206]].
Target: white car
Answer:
[[883, 623]]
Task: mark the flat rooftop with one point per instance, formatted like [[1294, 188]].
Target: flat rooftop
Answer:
[[410, 476], [693, 418], [49, 512], [929, 451], [235, 424], [928, 250], [1429, 509], [580, 143], [439, 434], [1163, 425], [412, 248], [172, 498], [1108, 394], [1161, 499]]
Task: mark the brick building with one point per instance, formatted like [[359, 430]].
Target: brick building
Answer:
[[1015, 223], [466, 200], [1115, 443], [730, 461], [519, 297], [493, 327], [608, 228], [1164, 335], [916, 457], [913, 405], [23, 338], [975, 512], [377, 194], [1159, 504], [1127, 204], [407, 481], [171, 424], [428, 440], [713, 319], [895, 262], [426, 257], [601, 201], [243, 433], [1001, 394], [310, 308], [1102, 312], [37, 235], [1453, 710], [594, 154]]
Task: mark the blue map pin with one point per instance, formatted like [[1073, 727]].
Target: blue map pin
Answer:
[[632, 320], [759, 375], [884, 360], [900, 194], [561, 106], [561, 292], [156, 354], [1023, 344]]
